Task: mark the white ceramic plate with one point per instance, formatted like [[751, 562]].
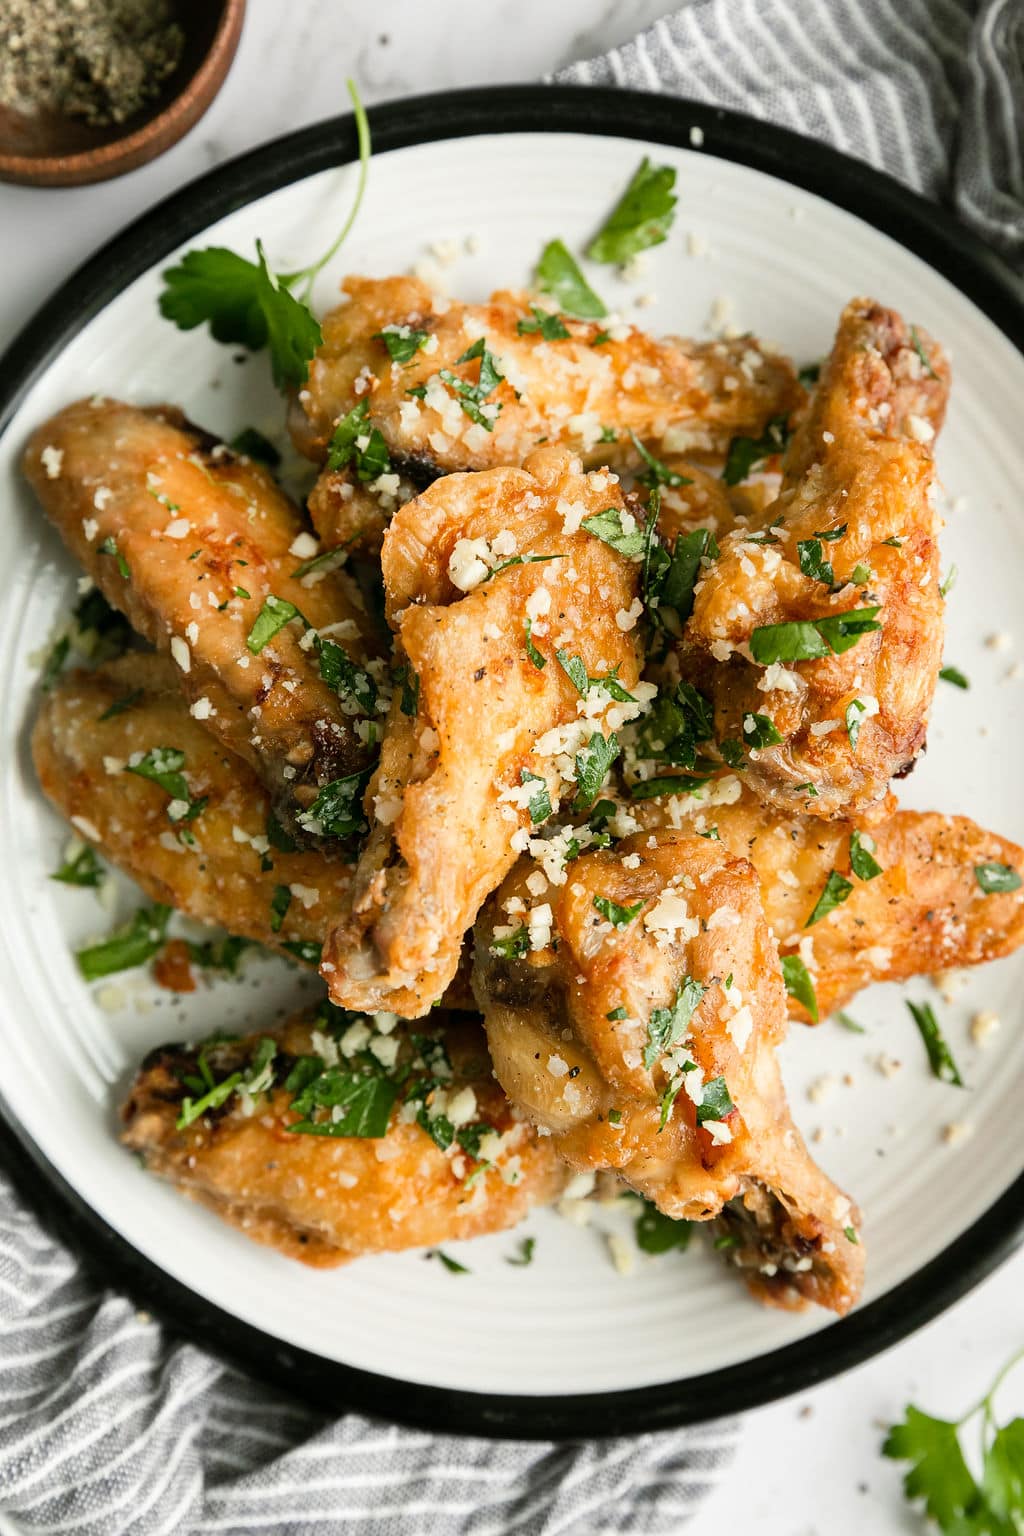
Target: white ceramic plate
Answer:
[[568, 1345]]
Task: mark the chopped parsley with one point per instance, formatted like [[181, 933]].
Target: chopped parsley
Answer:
[[558, 274], [591, 767], [666, 784], [328, 561], [809, 639], [162, 766], [539, 804], [640, 219], [83, 868], [669, 580], [716, 1103], [219, 954], [512, 946], [862, 860], [337, 810], [675, 726], [946, 586], [745, 453], [539, 661], [667, 1026], [657, 1233], [402, 342], [608, 527], [272, 617], [109, 547], [813, 563], [277, 837], [354, 441], [853, 717], [472, 396], [759, 731], [940, 1057], [918, 346], [251, 444], [837, 889], [133, 944], [656, 472], [344, 678], [527, 1246], [619, 917], [279, 904], [995, 878], [451, 1265], [799, 984], [955, 676], [548, 327], [359, 1103], [258, 1077], [848, 1023]]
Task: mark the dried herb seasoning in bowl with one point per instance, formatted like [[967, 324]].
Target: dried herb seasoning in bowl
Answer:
[[92, 88]]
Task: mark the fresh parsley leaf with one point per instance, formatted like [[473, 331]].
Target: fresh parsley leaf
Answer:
[[574, 670], [539, 661], [359, 1103], [745, 453], [279, 904], [1003, 1479], [608, 527], [194, 1109], [621, 1012], [656, 473], [591, 767], [512, 946], [472, 396], [918, 347], [837, 889], [854, 719], [402, 342], [809, 639], [138, 941], [163, 766], [525, 1254], [939, 1473], [83, 868], [539, 804], [677, 723], [799, 984], [348, 681], [272, 617], [716, 1103], [558, 274], [657, 1233], [759, 731], [355, 441], [641, 218], [253, 445], [667, 1026], [619, 917], [955, 676], [450, 1264], [669, 580], [337, 810], [940, 1057], [862, 860], [995, 878], [813, 563], [549, 327], [245, 304]]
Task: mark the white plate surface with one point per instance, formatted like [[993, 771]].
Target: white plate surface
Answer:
[[786, 262]]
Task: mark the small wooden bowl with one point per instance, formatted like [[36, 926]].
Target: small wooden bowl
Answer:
[[48, 150]]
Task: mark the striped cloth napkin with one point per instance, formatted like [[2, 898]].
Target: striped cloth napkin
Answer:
[[110, 1428]]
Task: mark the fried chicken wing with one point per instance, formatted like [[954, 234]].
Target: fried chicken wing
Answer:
[[498, 596], [218, 866], [818, 632], [478, 386], [354, 1169], [641, 1033], [194, 545], [920, 909]]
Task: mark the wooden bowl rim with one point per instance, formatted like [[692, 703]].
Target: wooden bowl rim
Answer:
[[166, 128]]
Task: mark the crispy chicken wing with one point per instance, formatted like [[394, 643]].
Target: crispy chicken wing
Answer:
[[194, 545], [490, 730], [573, 383], [818, 633], [642, 1035], [923, 911], [360, 1177], [218, 866]]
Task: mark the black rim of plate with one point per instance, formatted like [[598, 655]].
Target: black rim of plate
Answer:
[[883, 203]]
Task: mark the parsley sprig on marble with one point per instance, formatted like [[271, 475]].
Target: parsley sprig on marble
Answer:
[[246, 303]]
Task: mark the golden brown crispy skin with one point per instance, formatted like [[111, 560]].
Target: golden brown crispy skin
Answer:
[[448, 806], [925, 912], [572, 1024], [155, 487], [324, 1199], [222, 879], [860, 462], [684, 393]]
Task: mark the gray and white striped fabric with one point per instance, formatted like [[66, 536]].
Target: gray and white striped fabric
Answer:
[[109, 1428], [931, 91]]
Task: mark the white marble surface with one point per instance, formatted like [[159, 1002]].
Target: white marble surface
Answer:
[[807, 1467]]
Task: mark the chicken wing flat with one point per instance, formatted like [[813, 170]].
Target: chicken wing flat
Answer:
[[518, 629], [193, 545], [335, 1136], [202, 841], [911, 899], [451, 386], [643, 1036], [818, 632]]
